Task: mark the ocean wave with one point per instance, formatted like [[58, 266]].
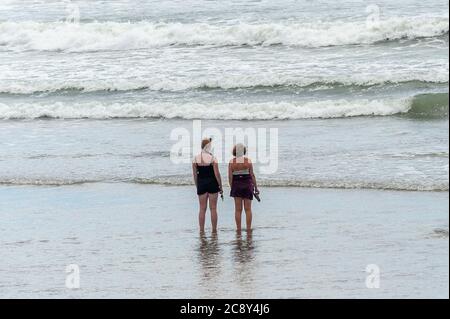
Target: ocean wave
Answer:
[[293, 183], [391, 185], [229, 111], [416, 107], [44, 182], [300, 183], [271, 82], [101, 36], [429, 106]]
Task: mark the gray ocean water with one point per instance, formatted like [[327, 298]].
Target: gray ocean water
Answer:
[[90, 92], [358, 89]]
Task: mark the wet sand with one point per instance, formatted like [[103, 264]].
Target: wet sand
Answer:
[[142, 241]]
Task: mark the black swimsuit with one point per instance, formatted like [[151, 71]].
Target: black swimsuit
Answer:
[[206, 180]]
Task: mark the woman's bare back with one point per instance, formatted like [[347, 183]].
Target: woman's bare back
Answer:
[[240, 164], [204, 159]]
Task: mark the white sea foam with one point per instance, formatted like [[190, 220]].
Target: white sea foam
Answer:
[[301, 183], [96, 36], [438, 75], [229, 111], [43, 182], [306, 183]]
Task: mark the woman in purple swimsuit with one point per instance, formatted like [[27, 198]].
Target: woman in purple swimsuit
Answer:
[[243, 185]]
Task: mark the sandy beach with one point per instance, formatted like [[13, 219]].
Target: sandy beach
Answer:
[[344, 109], [141, 241]]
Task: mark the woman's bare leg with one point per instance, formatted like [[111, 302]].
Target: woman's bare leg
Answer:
[[203, 202], [213, 208], [248, 213], [238, 212]]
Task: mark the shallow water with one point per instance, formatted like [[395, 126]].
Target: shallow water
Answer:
[[378, 153], [376, 89], [358, 92], [137, 241]]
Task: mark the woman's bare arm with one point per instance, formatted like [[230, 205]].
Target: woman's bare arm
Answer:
[[230, 174], [194, 173], [252, 173], [217, 173]]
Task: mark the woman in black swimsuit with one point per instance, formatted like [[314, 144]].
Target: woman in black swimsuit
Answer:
[[208, 181]]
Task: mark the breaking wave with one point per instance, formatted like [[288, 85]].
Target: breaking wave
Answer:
[[103, 36], [425, 106], [429, 106], [270, 82]]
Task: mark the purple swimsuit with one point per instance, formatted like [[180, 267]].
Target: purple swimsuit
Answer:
[[242, 186]]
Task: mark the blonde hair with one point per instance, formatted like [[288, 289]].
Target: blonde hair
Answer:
[[206, 142], [239, 150]]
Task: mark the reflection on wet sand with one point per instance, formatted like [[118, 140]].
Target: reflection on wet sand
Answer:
[[243, 248], [209, 254], [244, 267]]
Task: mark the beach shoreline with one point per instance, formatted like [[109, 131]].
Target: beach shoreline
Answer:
[[142, 241], [343, 107]]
